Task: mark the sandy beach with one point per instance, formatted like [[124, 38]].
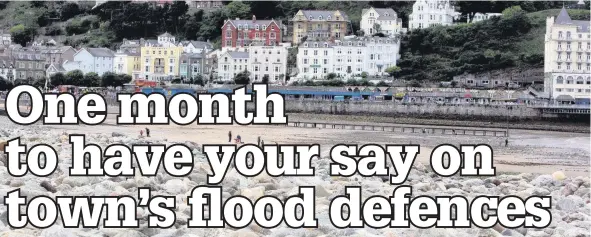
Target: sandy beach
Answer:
[[528, 151]]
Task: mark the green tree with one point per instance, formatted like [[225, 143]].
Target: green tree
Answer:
[[198, 80], [69, 10], [57, 79], [91, 79], [265, 79], [393, 70], [109, 79], [74, 78], [242, 78], [364, 75], [382, 84], [122, 79], [22, 34], [513, 11], [39, 83], [237, 9], [331, 76], [5, 84]]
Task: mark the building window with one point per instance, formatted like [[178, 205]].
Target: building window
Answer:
[[569, 80], [559, 80], [580, 81]]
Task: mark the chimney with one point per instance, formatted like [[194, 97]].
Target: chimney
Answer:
[[254, 18]]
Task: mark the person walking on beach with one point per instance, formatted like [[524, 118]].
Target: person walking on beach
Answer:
[[141, 133], [506, 142], [147, 132], [230, 136], [238, 139], [259, 141]]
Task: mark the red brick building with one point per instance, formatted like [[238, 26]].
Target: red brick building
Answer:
[[241, 33]]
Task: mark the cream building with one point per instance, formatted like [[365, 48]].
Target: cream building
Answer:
[[321, 25], [380, 20], [567, 59], [426, 13]]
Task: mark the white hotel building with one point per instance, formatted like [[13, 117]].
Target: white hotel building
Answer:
[[347, 58], [567, 59]]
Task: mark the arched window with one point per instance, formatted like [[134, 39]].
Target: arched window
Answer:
[[569, 80], [580, 80], [559, 80]]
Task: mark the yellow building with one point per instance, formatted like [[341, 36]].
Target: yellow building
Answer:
[[129, 63], [319, 25], [160, 59]]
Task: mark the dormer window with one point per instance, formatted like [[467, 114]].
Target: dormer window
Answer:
[[310, 17], [328, 18], [326, 45], [338, 18], [240, 27], [256, 27], [350, 43], [264, 27], [306, 45], [315, 45], [320, 18], [359, 44]]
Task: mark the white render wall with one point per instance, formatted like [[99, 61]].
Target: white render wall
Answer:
[[267, 60], [347, 58], [426, 13], [315, 60]]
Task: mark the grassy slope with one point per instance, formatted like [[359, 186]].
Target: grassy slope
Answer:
[[533, 42]]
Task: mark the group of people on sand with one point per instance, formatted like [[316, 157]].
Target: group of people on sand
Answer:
[[238, 139], [147, 132]]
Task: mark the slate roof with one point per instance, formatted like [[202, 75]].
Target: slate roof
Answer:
[[251, 25], [100, 52], [564, 19], [383, 13], [198, 44], [316, 13]]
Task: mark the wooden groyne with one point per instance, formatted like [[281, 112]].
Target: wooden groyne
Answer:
[[401, 128]]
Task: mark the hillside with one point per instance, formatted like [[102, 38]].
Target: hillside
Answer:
[[513, 41], [438, 53]]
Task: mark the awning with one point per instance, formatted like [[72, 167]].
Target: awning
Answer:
[[565, 98]]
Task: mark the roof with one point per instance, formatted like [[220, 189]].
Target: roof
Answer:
[[191, 55], [251, 24], [57, 67], [198, 44], [564, 19], [383, 13], [165, 35], [100, 52], [325, 14], [238, 54]]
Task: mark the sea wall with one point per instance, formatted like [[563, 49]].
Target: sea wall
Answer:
[[385, 108]]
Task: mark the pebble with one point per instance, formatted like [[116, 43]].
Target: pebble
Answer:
[[570, 195]]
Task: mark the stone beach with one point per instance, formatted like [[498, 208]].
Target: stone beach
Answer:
[[570, 194]]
